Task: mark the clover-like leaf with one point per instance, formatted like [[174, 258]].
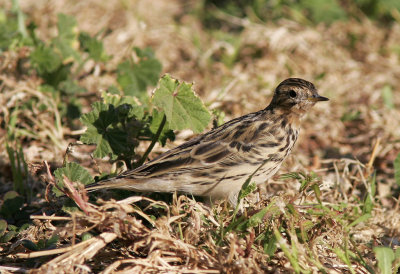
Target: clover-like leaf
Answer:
[[135, 77], [181, 105], [75, 173]]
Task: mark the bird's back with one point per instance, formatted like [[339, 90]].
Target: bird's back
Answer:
[[217, 163]]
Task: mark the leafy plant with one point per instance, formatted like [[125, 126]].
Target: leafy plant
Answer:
[[19, 169], [118, 124], [397, 169], [388, 260], [135, 77], [42, 244]]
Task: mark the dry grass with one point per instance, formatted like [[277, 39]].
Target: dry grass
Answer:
[[143, 235]]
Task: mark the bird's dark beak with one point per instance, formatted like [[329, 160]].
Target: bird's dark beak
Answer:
[[317, 98]]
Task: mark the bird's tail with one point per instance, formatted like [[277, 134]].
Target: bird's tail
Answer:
[[111, 183]]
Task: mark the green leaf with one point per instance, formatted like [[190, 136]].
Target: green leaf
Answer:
[[45, 60], [30, 245], [136, 110], [86, 236], [12, 203], [181, 105], [360, 219], [271, 246], [75, 173], [397, 253], [387, 96], [291, 175], [385, 257], [247, 189], [134, 78], [92, 46], [67, 40], [397, 169], [67, 27], [103, 130], [166, 132], [8, 236], [255, 219], [369, 199], [343, 255], [3, 226], [50, 243], [326, 11], [71, 87]]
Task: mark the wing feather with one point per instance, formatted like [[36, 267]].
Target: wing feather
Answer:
[[233, 142]]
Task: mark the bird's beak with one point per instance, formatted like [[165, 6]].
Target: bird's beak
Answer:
[[317, 98]]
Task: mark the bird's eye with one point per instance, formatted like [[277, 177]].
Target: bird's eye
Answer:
[[292, 93]]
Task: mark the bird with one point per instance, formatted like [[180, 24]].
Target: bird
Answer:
[[217, 163]]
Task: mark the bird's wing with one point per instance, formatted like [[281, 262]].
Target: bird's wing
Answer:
[[233, 142]]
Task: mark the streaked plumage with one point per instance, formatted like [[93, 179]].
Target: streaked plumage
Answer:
[[217, 163]]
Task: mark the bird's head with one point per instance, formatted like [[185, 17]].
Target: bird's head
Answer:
[[296, 95]]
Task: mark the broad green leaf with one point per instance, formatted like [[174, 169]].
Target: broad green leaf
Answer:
[[103, 130], [134, 78], [397, 169], [181, 105], [45, 60], [75, 173], [67, 40], [92, 46], [385, 257], [397, 253], [387, 96], [136, 110]]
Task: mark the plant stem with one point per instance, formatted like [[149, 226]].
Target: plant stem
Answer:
[[153, 141]]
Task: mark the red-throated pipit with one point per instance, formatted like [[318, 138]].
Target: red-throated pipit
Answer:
[[217, 163]]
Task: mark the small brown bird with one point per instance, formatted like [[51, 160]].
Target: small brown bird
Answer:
[[217, 163]]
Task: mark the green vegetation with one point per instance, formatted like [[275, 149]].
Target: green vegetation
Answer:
[[321, 215]]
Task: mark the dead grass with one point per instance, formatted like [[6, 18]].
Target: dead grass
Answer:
[[142, 235]]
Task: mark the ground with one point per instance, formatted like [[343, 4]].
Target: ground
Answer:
[[348, 208]]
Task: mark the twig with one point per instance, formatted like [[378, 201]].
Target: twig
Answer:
[[52, 218], [368, 167]]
